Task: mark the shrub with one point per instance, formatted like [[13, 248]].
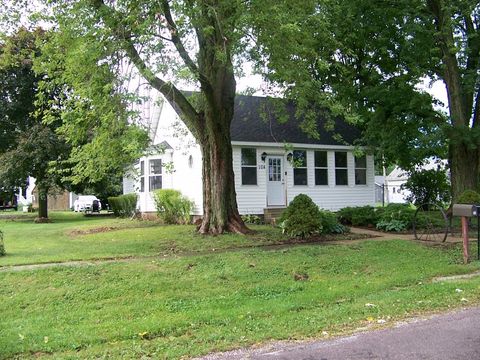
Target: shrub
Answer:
[[172, 206], [2, 246], [251, 219], [359, 215], [469, 197], [391, 225], [301, 218], [330, 224], [396, 216], [428, 186], [123, 205]]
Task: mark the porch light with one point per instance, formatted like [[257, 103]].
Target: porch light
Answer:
[[264, 156], [289, 157]]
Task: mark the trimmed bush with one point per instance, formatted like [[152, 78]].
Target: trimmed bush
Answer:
[[469, 197], [393, 217], [172, 206], [123, 205], [301, 218]]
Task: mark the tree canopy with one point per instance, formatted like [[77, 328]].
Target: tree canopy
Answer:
[[28, 146], [36, 138], [368, 59]]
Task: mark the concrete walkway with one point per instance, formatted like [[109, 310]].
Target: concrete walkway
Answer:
[[452, 336]]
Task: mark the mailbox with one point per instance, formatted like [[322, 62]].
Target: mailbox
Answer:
[[464, 210]]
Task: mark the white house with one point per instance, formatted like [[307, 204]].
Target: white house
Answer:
[[394, 186], [395, 181], [325, 168]]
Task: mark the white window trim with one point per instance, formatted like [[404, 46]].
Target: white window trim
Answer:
[[249, 166], [150, 174]]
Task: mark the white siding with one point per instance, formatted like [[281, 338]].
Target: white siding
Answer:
[[186, 179], [128, 184], [252, 198]]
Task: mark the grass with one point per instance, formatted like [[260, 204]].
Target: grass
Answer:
[[189, 306], [69, 238]]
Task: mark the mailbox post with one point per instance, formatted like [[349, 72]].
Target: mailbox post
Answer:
[[465, 211]]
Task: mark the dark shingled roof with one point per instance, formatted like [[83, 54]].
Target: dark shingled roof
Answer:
[[255, 120]]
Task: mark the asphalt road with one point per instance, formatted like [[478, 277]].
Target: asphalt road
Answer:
[[453, 336]]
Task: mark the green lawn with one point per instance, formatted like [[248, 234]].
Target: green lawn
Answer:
[[189, 306], [67, 238]]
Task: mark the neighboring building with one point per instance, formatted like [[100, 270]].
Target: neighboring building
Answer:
[[393, 186], [327, 169], [395, 181], [57, 200]]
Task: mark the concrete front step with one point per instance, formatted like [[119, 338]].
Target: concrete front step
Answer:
[[271, 215]]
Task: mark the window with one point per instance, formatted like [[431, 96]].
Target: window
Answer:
[[321, 168], [300, 167], [274, 169], [341, 169], [361, 170], [142, 176], [249, 166], [155, 174]]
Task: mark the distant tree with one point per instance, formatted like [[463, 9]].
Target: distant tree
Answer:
[[428, 187], [37, 109], [28, 146]]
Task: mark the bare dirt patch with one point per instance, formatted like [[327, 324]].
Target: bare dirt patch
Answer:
[[97, 230]]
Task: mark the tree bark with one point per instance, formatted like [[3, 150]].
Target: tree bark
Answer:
[[464, 168]]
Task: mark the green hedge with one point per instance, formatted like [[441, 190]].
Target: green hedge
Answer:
[[360, 215], [123, 205], [393, 217]]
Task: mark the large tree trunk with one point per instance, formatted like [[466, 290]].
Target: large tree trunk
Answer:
[[464, 147], [220, 211], [464, 167], [219, 197], [42, 202]]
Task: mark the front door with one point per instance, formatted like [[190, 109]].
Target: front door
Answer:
[[275, 181]]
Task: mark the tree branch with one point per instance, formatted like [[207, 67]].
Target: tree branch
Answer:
[[176, 39], [180, 47], [174, 96]]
